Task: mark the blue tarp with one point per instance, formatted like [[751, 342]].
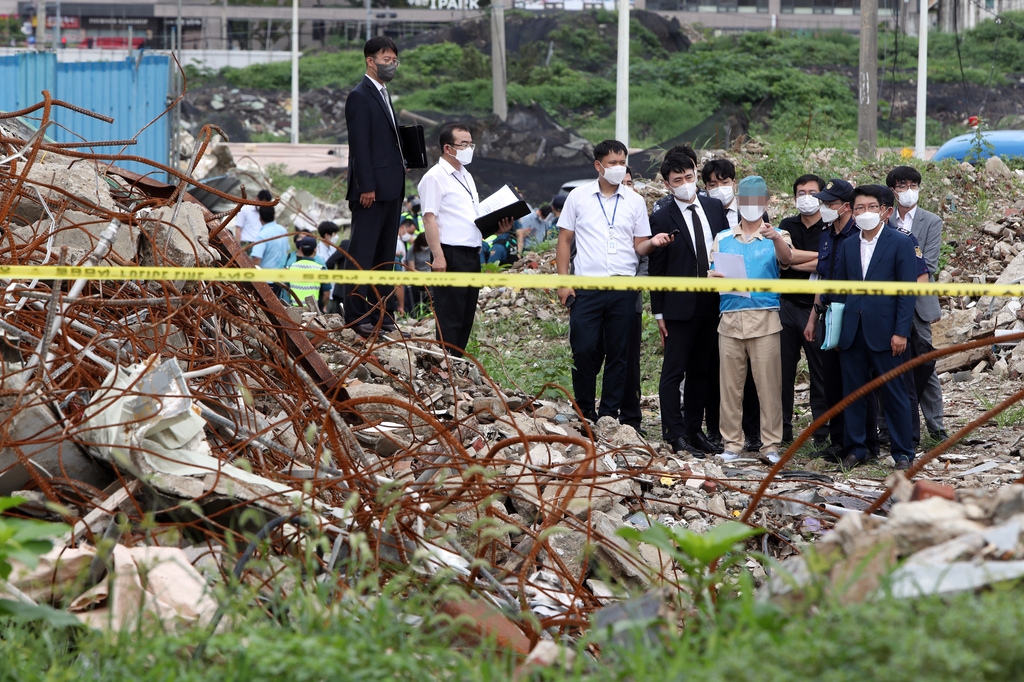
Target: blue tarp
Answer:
[[1004, 143]]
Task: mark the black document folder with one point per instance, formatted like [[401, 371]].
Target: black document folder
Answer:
[[413, 146], [505, 203]]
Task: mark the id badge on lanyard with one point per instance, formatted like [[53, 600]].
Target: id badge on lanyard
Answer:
[[611, 223]]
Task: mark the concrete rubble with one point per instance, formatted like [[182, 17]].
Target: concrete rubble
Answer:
[[934, 541], [216, 410]]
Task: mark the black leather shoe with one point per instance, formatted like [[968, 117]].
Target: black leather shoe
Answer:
[[682, 445], [939, 435], [831, 453], [752, 444], [365, 330], [851, 461], [701, 442], [716, 441], [902, 464]]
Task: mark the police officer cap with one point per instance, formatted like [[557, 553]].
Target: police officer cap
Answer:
[[835, 190]]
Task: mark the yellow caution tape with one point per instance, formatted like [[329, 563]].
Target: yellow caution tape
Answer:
[[515, 281]]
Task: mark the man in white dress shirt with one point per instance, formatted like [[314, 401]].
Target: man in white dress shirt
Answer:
[[449, 200], [609, 224]]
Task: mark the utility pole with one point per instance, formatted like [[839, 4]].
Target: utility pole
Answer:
[[499, 77], [368, 11], [867, 102], [622, 77], [295, 71], [224, 25], [40, 23], [922, 82], [177, 29], [56, 29]]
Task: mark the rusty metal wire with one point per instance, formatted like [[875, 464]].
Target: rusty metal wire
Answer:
[[386, 464]]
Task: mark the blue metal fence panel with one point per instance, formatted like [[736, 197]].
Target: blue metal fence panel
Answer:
[[133, 92], [24, 77]]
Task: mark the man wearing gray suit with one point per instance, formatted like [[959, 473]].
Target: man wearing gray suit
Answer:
[[910, 218]]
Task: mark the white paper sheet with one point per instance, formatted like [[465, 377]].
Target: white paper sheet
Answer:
[[500, 199], [732, 266]]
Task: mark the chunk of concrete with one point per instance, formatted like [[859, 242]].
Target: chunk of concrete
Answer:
[[616, 554], [79, 180], [80, 232], [35, 434], [916, 525], [183, 243]]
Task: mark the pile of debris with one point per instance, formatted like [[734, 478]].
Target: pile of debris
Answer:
[[247, 113], [168, 415], [208, 408], [944, 541]]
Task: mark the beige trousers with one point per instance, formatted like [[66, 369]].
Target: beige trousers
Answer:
[[766, 366]]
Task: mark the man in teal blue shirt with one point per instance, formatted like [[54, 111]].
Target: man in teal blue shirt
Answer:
[[270, 250], [750, 328]]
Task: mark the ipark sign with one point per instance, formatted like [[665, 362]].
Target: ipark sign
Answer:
[[447, 4]]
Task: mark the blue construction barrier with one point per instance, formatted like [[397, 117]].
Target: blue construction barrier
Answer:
[[133, 92]]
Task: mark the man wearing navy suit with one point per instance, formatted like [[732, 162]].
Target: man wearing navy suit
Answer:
[[376, 180], [687, 321], [875, 328]]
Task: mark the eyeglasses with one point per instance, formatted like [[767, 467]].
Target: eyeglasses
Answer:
[[873, 208], [388, 62], [464, 145], [901, 186]]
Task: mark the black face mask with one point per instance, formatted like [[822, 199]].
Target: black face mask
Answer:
[[385, 72]]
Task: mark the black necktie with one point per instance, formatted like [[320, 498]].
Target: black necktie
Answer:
[[698, 242]]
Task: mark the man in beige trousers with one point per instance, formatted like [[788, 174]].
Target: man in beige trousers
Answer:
[[750, 326]]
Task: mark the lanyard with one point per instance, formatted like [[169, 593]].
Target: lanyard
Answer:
[[465, 187], [611, 223]]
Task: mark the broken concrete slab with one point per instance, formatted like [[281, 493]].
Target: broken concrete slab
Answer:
[[36, 434], [185, 242]]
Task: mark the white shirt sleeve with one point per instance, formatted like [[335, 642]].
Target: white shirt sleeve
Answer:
[[567, 220], [430, 193], [642, 224]]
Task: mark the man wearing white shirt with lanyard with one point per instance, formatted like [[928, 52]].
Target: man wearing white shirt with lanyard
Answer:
[[449, 199], [609, 224]]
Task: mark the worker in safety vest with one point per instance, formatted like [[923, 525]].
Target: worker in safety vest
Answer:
[[300, 291]]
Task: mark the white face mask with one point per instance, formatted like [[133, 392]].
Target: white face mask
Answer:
[[868, 221], [464, 156], [686, 191], [723, 193], [335, 238], [908, 198], [829, 215], [751, 214], [407, 237], [615, 174], [807, 205]]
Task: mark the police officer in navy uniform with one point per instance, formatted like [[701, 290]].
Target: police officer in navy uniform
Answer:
[[839, 226]]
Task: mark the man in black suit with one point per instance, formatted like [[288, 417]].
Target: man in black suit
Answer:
[[687, 321], [376, 180]]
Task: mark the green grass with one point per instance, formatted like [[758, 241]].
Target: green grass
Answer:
[[965, 637]]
